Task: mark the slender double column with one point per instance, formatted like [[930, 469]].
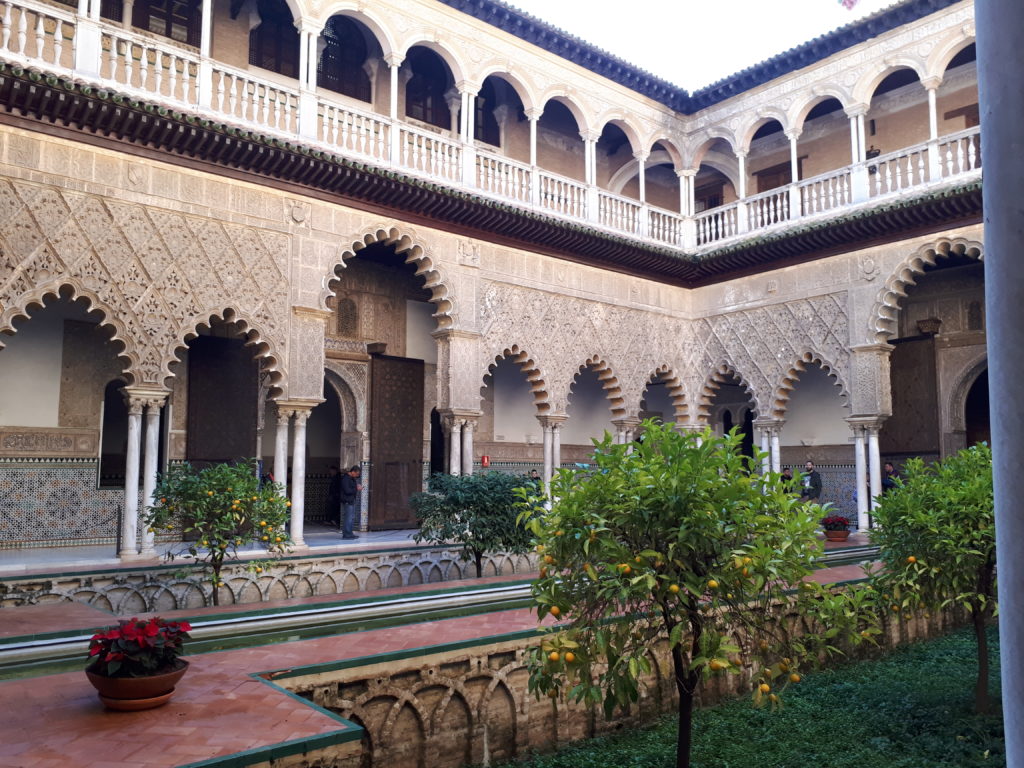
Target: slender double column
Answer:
[[867, 465], [148, 402], [552, 426], [770, 430], [460, 426]]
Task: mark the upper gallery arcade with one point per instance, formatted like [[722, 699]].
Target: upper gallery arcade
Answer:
[[413, 234]]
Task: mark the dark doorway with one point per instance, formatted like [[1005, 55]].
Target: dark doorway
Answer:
[[436, 443], [976, 412], [223, 393], [396, 440]]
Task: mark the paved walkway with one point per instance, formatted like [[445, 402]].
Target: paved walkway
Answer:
[[222, 708]]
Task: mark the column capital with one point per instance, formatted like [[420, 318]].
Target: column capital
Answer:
[[297, 406], [552, 420], [447, 334], [308, 26], [641, 155], [856, 110], [793, 134], [590, 135], [688, 173], [932, 83], [627, 422], [533, 113], [741, 154], [872, 422], [770, 424], [468, 86], [144, 397], [393, 60]]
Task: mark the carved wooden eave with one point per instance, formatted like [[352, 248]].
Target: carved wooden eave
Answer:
[[103, 118]]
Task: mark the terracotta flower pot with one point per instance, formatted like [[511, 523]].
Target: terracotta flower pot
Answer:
[[837, 535], [130, 694]]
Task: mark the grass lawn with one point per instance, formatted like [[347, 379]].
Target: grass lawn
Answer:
[[911, 709]]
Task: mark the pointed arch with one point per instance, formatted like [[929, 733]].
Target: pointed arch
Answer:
[[783, 390], [415, 254], [268, 351], [886, 309], [350, 404], [526, 364], [75, 290], [719, 373], [969, 374]]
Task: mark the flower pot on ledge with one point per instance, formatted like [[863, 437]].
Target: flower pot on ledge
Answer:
[[131, 694], [837, 535]]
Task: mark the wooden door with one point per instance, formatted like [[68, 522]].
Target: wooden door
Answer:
[[396, 440]]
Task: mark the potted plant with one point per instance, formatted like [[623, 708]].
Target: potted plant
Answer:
[[136, 664], [837, 527]]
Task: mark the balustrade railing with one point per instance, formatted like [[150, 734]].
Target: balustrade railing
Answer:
[[241, 97], [144, 66], [768, 208], [897, 171], [353, 132], [52, 39], [563, 196], [717, 224], [825, 192], [618, 213], [429, 154], [33, 33], [503, 177], [665, 227], [960, 153]]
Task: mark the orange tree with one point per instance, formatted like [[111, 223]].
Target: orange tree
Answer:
[[674, 538], [219, 509], [937, 535]]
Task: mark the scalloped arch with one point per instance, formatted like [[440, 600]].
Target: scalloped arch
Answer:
[[434, 280], [676, 391], [54, 288], [526, 364], [719, 373], [266, 350], [784, 389], [886, 309], [609, 383]]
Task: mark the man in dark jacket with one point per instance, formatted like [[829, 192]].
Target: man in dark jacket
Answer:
[[811, 483], [350, 489]]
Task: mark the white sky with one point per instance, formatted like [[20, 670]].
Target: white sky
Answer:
[[693, 43]]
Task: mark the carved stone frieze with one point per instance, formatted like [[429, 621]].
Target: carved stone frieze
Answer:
[[48, 442]]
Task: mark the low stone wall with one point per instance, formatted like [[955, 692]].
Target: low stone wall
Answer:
[[129, 590], [471, 706]]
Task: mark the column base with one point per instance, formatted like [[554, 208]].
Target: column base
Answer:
[[130, 554]]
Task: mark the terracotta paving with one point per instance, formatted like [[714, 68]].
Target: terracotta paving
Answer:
[[219, 709]]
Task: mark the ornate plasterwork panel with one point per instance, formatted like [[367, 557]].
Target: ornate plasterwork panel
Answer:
[[562, 333], [766, 348], [154, 274]]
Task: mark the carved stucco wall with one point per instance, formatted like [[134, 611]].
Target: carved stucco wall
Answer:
[[155, 274]]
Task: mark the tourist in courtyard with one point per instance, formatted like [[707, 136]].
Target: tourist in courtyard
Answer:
[[788, 481], [350, 488], [889, 477], [811, 482]]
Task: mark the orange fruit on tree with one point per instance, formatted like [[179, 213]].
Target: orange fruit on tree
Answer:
[[911, 559], [555, 610], [554, 656], [570, 657], [764, 687], [673, 588], [794, 678], [712, 584]]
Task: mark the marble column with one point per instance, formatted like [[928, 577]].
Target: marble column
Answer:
[[130, 515], [455, 440], [874, 463], [298, 495], [776, 451], [1001, 96], [766, 449], [556, 445], [860, 476], [150, 468], [549, 460], [468, 428], [281, 448]]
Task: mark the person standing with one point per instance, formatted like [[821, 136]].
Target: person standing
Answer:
[[788, 481], [350, 489], [811, 482], [889, 477]]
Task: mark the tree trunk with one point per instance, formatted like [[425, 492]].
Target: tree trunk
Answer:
[[216, 565], [686, 685], [478, 558], [980, 636]]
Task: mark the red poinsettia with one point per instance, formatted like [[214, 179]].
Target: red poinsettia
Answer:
[[835, 523], [137, 647]]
